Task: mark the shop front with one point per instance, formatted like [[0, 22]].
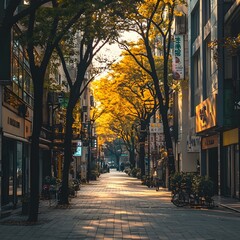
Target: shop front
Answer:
[[206, 124], [209, 159], [230, 178], [15, 179]]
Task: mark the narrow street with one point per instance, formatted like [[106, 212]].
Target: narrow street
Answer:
[[117, 206]]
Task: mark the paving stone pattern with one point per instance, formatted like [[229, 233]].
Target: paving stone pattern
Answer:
[[117, 206]]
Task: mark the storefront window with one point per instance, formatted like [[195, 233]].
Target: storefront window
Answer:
[[22, 81], [19, 164], [11, 171]]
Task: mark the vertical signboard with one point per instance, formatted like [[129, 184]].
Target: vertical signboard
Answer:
[[178, 57]]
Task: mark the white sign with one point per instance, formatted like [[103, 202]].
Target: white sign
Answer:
[[193, 143], [178, 58], [156, 128]]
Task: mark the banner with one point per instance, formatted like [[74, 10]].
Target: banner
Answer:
[[178, 57]]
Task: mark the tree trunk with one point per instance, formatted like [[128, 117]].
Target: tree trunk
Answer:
[[143, 135], [132, 158], [117, 161], [34, 158], [67, 154], [73, 98], [169, 146]]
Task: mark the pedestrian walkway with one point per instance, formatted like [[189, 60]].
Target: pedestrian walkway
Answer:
[[117, 206], [229, 203]]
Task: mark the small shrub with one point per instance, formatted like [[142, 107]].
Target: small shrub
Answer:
[[135, 172], [176, 181], [203, 187]]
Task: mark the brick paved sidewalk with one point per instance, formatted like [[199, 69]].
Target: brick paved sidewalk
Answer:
[[229, 203], [117, 206]]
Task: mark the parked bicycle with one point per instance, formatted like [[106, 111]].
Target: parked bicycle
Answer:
[[183, 196], [73, 188], [193, 190]]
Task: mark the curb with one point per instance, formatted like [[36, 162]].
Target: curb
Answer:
[[230, 208]]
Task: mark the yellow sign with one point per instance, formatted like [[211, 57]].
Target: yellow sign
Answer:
[[206, 114], [230, 137], [210, 142]]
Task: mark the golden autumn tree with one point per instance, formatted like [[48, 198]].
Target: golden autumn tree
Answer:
[[152, 21], [129, 97], [98, 26], [108, 124]]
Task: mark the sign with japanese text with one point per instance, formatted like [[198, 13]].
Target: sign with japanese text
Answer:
[[206, 114], [193, 143], [178, 57], [210, 142], [156, 128]]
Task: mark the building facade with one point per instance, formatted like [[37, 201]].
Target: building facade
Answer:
[[16, 128], [214, 91]]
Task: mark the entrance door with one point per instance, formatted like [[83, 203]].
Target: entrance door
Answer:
[[8, 171], [12, 171], [233, 171], [213, 167], [237, 172]]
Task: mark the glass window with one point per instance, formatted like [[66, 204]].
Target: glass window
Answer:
[[197, 76], [15, 70], [206, 11], [22, 81], [208, 65], [19, 168], [195, 28], [236, 77]]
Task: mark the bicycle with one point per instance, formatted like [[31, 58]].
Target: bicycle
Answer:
[[192, 190], [182, 197]]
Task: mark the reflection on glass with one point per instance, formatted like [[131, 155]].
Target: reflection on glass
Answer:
[[10, 189], [19, 168]]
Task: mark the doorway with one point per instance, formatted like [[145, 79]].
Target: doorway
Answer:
[[213, 167]]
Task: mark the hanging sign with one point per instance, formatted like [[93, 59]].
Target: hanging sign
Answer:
[[178, 57]]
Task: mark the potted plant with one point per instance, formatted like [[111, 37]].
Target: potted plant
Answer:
[[204, 187]]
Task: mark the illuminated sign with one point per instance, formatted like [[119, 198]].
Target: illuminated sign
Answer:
[[206, 114], [210, 142], [78, 152]]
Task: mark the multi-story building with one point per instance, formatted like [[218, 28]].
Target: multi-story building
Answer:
[[214, 91], [186, 146], [16, 128]]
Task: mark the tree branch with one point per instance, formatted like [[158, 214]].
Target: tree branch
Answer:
[[60, 54]]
